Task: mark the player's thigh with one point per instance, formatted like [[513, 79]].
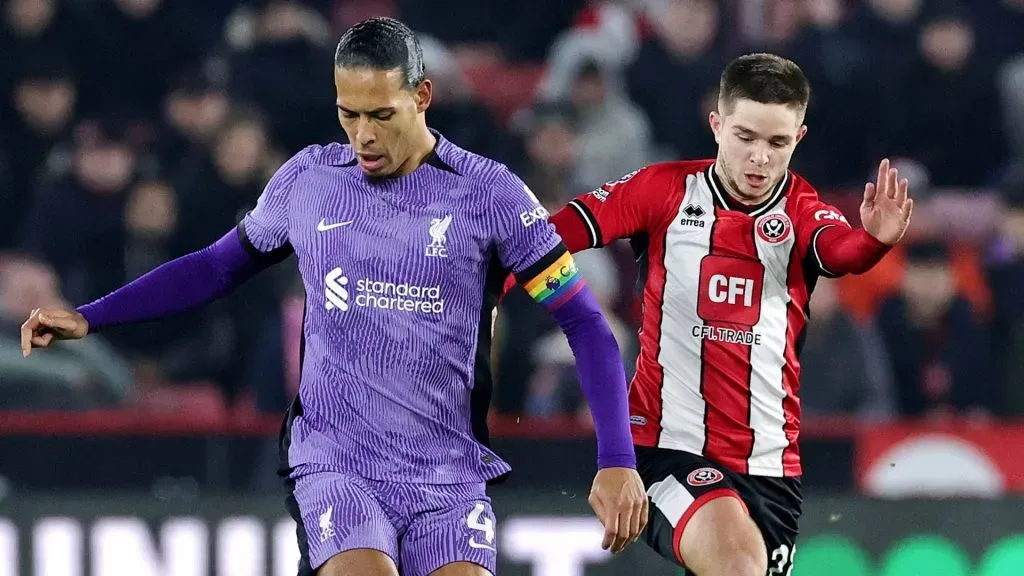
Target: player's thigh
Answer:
[[778, 516], [454, 536], [338, 513], [363, 561], [721, 539], [699, 518]]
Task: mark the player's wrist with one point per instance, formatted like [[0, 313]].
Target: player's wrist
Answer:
[[875, 242], [621, 460], [83, 313]]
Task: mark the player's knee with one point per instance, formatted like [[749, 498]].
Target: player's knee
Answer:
[[741, 564], [744, 562], [720, 539], [741, 553]]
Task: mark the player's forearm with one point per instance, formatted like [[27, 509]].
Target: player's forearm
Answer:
[[602, 376], [841, 250], [177, 286]]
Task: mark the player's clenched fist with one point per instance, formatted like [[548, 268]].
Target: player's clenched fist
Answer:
[[45, 325], [619, 499]]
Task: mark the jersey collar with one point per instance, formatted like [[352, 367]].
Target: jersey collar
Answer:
[[726, 202]]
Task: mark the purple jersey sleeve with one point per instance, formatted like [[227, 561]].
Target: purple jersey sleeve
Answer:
[[265, 228], [179, 285], [523, 234]]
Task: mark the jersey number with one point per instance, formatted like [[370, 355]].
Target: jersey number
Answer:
[[781, 562], [477, 521]]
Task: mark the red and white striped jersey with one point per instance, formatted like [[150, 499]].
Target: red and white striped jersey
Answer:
[[724, 309]]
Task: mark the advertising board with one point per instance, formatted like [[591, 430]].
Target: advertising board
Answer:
[[538, 534]]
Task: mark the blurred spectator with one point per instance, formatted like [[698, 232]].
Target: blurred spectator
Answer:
[[76, 222], [1011, 86], [613, 137], [78, 375], [521, 30], [44, 98], [606, 34], [834, 152], [33, 30], [551, 170], [940, 349], [675, 76], [193, 111], [131, 49], [454, 111], [889, 31], [1002, 21], [846, 369], [1006, 276], [280, 64], [942, 106]]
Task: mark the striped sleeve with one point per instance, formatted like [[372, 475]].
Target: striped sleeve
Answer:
[[619, 209], [264, 230]]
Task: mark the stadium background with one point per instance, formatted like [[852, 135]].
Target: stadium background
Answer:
[[134, 131]]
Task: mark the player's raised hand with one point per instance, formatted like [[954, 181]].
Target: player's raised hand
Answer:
[[619, 499], [886, 209], [45, 325]]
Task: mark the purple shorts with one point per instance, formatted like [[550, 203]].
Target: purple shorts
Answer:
[[422, 527]]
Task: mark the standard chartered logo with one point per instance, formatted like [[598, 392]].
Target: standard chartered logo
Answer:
[[335, 291], [340, 294]]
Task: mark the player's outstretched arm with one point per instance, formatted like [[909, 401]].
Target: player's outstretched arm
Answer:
[[885, 214], [617, 496], [260, 240], [174, 287]]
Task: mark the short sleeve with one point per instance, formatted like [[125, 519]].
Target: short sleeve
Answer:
[[622, 208], [523, 234], [264, 230], [814, 217]]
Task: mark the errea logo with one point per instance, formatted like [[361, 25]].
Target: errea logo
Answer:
[[693, 215]]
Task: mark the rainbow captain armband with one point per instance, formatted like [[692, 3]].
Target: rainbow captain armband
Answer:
[[553, 280]]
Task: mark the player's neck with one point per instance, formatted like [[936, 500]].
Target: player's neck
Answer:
[[421, 147], [730, 188]]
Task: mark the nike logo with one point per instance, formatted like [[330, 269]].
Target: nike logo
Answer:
[[474, 544], [323, 226]]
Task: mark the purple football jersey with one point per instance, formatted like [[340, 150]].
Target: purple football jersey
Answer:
[[400, 277]]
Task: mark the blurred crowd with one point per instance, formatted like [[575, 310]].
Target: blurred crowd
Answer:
[[136, 131]]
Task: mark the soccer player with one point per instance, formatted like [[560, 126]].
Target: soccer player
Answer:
[[403, 240], [731, 249]]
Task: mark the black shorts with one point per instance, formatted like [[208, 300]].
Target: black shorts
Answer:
[[678, 483]]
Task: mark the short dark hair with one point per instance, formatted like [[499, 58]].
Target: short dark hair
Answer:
[[764, 78], [382, 44]]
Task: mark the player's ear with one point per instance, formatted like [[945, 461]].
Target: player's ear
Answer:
[[801, 133], [716, 124], [424, 95]]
